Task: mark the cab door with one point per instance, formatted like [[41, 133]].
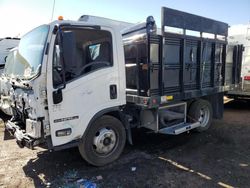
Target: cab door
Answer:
[[82, 79]]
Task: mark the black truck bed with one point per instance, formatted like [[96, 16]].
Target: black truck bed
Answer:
[[177, 66]]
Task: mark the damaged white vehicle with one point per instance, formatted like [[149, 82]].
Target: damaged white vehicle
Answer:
[[10, 72]]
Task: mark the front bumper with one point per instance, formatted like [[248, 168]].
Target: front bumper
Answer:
[[22, 138]]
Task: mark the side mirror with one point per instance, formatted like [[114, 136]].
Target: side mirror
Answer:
[[67, 43], [69, 50], [57, 96]]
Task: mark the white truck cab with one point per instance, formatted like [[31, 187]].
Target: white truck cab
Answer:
[[72, 72], [87, 87]]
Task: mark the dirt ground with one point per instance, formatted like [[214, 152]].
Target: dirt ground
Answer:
[[219, 157]]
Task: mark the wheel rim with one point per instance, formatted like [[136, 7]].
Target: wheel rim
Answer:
[[204, 116], [104, 141]]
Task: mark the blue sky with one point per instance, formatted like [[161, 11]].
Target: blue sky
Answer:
[[19, 16]]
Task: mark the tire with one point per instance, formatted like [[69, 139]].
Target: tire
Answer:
[[201, 110], [103, 142]]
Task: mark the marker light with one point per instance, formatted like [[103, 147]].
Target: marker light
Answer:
[[60, 17]]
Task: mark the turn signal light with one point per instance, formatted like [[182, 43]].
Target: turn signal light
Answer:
[[63, 132]]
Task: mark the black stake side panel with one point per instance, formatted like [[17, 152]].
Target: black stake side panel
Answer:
[[191, 63], [183, 20], [178, 65]]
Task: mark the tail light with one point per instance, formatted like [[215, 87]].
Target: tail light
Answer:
[[247, 78]]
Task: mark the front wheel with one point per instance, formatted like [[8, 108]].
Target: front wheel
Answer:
[[201, 111], [103, 142]]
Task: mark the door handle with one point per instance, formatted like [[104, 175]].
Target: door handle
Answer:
[[57, 96], [113, 91]]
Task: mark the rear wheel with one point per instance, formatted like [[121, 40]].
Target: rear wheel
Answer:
[[201, 110], [103, 142]]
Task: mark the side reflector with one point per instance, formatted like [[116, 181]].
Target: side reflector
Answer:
[[170, 97]]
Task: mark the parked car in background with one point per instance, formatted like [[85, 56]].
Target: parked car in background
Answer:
[[6, 44], [8, 73], [7, 52]]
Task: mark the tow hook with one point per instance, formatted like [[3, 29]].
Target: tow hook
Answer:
[[20, 143], [22, 139]]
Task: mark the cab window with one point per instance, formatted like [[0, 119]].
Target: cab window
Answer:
[[92, 52]]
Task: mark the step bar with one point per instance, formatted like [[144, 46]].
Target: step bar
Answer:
[[179, 128]]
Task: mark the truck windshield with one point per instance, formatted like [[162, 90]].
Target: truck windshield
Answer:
[[29, 56]]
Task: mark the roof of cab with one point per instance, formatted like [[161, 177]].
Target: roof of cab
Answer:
[[95, 20]]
